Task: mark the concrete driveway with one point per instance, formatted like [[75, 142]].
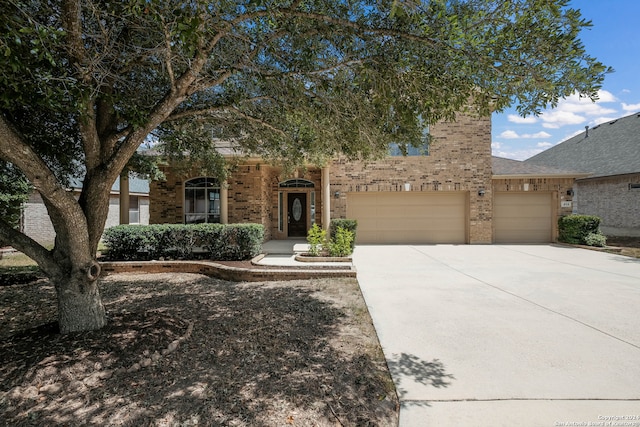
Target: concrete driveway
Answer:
[[514, 335]]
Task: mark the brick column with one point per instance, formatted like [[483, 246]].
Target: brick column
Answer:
[[224, 203], [326, 198], [124, 199]]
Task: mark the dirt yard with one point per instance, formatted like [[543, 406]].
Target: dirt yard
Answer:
[[186, 350]]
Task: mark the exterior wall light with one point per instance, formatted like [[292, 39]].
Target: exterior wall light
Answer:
[[481, 192], [336, 195]]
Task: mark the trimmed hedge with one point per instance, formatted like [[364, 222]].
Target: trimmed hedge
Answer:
[[347, 224], [224, 242], [575, 229]]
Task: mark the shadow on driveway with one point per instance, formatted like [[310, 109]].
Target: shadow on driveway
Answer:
[[408, 366]]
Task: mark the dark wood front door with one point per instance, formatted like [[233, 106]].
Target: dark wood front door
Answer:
[[297, 214]]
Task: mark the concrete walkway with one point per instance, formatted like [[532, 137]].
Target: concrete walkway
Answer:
[[539, 335]]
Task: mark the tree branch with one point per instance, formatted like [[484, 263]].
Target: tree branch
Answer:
[[29, 247], [355, 26], [15, 150], [72, 23]]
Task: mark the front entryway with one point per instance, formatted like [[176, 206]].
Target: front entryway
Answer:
[[296, 214]]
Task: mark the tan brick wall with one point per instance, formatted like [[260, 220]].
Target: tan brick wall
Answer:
[[558, 187], [459, 160], [249, 196], [611, 198]]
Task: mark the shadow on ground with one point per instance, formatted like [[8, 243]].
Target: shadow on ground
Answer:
[[204, 352], [406, 368]]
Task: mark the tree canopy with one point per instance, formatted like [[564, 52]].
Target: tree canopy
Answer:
[[83, 83]]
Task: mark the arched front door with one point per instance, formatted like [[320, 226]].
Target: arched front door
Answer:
[[296, 207]]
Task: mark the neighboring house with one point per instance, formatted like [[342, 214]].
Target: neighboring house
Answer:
[[452, 194], [36, 224], [610, 154]]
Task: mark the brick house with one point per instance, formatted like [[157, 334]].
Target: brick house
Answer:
[[35, 222], [609, 156], [455, 193]]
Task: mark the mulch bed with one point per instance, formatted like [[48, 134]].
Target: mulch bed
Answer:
[[184, 349]]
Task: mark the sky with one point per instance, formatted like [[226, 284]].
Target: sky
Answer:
[[613, 40]]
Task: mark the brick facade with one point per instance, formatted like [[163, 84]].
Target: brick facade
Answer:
[[613, 200], [459, 160], [252, 196]]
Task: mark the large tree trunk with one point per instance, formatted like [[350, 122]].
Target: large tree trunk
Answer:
[[79, 303]]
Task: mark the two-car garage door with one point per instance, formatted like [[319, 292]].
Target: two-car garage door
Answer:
[[409, 217]]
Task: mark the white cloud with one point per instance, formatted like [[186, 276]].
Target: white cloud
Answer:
[[631, 108], [521, 154], [544, 145], [557, 118], [514, 118], [600, 120], [496, 145], [606, 96], [575, 110], [541, 134], [510, 134]]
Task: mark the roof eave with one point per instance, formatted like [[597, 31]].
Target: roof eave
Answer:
[[540, 175]]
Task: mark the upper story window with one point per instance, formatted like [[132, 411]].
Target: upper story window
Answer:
[[396, 150], [201, 200]]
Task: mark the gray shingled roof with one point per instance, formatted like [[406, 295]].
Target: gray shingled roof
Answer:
[[611, 148], [501, 166]]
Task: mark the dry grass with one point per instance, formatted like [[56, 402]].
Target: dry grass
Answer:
[[183, 349]]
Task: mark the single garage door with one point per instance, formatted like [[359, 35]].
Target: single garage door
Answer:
[[410, 217], [522, 217]]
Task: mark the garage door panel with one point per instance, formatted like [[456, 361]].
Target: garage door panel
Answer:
[[409, 217], [522, 217]]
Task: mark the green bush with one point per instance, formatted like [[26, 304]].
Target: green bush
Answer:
[[177, 241], [341, 244], [317, 240], [596, 239], [130, 242], [574, 229], [348, 224]]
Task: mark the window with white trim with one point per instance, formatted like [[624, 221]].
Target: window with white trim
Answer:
[[201, 201]]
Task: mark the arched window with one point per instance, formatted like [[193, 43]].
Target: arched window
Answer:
[[296, 183], [201, 200]]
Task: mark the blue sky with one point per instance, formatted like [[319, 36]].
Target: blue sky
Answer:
[[614, 41]]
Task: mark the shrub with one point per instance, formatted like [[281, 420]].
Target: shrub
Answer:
[[574, 229], [596, 239], [317, 240], [341, 244], [221, 242], [348, 224], [129, 242]]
